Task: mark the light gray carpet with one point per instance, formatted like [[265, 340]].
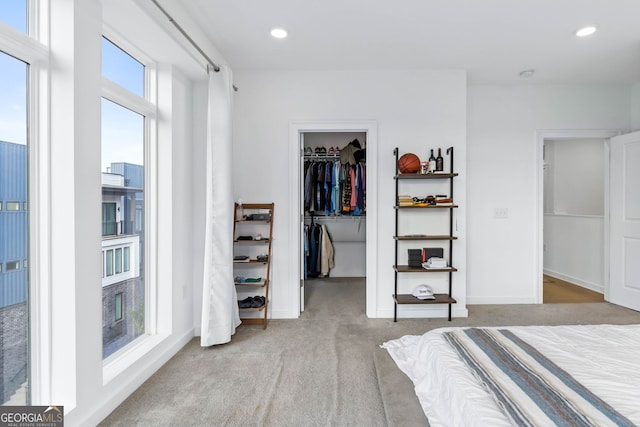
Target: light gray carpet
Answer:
[[323, 369]]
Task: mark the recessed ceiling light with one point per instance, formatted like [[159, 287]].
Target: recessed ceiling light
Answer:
[[586, 31], [525, 74], [279, 32]]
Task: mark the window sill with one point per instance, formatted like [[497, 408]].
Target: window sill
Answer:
[[123, 359]]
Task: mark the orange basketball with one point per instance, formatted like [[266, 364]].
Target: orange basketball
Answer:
[[409, 163]]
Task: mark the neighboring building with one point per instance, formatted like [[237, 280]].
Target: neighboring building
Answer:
[[14, 278], [122, 256]]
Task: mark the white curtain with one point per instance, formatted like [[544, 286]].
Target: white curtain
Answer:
[[220, 315]]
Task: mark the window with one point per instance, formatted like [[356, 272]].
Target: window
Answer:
[[125, 255], [14, 240], [118, 260], [124, 144], [12, 265], [109, 226], [118, 306], [13, 206], [109, 255], [121, 68], [14, 14]]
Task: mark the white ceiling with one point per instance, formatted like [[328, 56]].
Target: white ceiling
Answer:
[[492, 39]]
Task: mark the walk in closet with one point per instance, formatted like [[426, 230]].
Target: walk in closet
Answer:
[[333, 185]]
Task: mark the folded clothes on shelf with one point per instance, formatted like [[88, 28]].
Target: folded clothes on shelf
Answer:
[[435, 262]]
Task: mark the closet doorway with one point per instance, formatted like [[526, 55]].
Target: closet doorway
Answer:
[[333, 209], [334, 242]]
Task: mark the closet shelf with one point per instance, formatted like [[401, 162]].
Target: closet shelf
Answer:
[[245, 242], [425, 237], [251, 261], [322, 156]]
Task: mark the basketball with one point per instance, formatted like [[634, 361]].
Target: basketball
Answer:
[[408, 163]]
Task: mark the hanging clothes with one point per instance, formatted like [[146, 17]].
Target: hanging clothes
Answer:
[[326, 250], [334, 188], [319, 251]]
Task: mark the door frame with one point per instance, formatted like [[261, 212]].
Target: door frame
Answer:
[[541, 136], [296, 128]]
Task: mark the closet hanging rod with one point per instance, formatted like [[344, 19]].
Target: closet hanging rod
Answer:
[[336, 217], [213, 65]]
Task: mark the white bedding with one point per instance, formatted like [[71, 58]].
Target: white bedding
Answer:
[[604, 358]]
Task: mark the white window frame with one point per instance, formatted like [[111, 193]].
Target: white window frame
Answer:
[[32, 49], [147, 106]]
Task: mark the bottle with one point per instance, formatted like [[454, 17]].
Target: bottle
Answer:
[[432, 162], [439, 161], [239, 211]]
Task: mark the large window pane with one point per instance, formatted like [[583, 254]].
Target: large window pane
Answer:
[[14, 232], [123, 190], [121, 68], [14, 14]]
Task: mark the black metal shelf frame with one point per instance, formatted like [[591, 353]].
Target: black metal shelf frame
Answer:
[[404, 298]]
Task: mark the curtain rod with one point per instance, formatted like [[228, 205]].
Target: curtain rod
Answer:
[[215, 66]]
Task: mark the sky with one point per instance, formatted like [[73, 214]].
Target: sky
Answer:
[[122, 130]]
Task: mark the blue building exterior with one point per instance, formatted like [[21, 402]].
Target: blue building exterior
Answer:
[[13, 224], [14, 278]]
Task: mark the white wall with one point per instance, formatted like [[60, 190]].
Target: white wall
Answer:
[[635, 107], [502, 152], [415, 110], [574, 249], [578, 176]]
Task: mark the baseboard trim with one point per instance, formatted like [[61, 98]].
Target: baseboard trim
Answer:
[[576, 281], [489, 300]]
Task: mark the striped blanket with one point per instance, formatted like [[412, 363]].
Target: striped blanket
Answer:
[[530, 389]]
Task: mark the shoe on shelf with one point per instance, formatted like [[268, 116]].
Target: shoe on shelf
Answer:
[[318, 151], [337, 150], [246, 303], [239, 279], [308, 151], [257, 301], [331, 152]]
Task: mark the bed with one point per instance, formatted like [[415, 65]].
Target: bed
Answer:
[[525, 375]]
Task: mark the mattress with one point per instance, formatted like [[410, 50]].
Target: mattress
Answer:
[[605, 359]]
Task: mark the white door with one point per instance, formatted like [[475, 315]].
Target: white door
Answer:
[[624, 223]]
